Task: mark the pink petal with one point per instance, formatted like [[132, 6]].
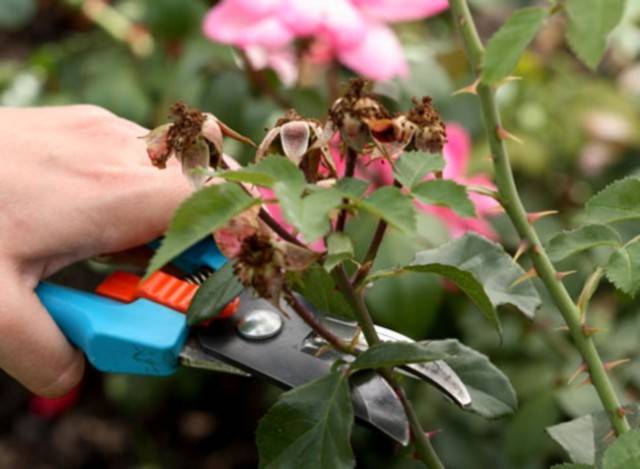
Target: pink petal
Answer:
[[282, 61], [231, 22], [400, 10], [456, 151], [458, 225], [338, 21], [378, 57]]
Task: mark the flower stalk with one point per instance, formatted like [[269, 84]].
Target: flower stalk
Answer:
[[510, 200]]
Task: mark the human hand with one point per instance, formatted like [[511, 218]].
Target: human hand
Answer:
[[75, 182]]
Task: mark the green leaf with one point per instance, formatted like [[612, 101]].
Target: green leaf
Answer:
[[392, 206], [387, 354], [509, 42], [319, 289], [623, 268], [413, 166], [624, 452], [447, 193], [281, 170], [590, 22], [586, 438], [309, 427], [569, 243], [492, 395], [247, 175], [352, 187], [571, 466], [484, 271], [339, 249], [198, 216], [618, 201], [313, 220], [309, 214], [213, 295]]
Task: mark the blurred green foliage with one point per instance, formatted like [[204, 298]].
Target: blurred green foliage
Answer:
[[580, 131]]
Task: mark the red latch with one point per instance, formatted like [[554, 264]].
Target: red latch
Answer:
[[160, 287]]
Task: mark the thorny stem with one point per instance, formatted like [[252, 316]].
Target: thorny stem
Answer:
[[514, 208]]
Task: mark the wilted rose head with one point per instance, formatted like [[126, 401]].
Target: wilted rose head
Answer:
[[355, 114], [194, 138], [301, 140]]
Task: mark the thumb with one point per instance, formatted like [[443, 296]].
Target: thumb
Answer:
[[33, 349]]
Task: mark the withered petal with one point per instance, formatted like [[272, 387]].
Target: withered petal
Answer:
[[294, 137], [195, 157], [265, 146]]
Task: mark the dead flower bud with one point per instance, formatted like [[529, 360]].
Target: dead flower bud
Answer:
[[301, 141], [359, 117], [429, 132], [261, 259], [158, 146], [194, 138]]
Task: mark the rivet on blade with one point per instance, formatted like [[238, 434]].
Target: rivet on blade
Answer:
[[260, 324]]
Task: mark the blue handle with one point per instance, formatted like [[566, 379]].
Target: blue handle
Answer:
[[141, 337]]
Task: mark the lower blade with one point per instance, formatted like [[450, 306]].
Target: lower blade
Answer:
[[375, 401], [193, 356]]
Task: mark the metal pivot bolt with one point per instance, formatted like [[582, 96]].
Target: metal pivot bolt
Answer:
[[260, 324]]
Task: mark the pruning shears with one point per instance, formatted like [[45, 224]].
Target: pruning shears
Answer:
[[130, 325]]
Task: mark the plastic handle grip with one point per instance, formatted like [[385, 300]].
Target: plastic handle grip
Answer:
[[141, 337]]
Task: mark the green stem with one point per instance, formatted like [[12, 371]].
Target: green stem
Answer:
[[356, 298], [514, 208]]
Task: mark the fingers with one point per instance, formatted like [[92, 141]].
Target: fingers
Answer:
[[33, 350]]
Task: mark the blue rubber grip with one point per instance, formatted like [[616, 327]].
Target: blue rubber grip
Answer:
[[141, 337]]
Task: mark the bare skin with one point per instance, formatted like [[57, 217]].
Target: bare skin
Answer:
[[75, 181]]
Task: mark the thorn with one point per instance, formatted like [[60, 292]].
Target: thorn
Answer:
[[586, 381], [495, 210], [561, 275], [469, 89], [621, 411], [581, 369], [354, 340], [529, 274], [536, 249], [433, 433], [522, 248], [505, 135], [508, 79], [483, 191], [561, 329], [588, 331], [609, 436], [322, 350], [611, 365], [535, 216]]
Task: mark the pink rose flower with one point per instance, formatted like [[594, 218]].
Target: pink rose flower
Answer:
[[354, 32]]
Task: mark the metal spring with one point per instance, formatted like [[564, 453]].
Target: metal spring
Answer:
[[199, 276]]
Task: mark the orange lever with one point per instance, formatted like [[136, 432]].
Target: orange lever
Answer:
[[160, 288]]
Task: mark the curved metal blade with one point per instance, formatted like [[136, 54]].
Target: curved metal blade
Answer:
[[438, 373], [375, 401]]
